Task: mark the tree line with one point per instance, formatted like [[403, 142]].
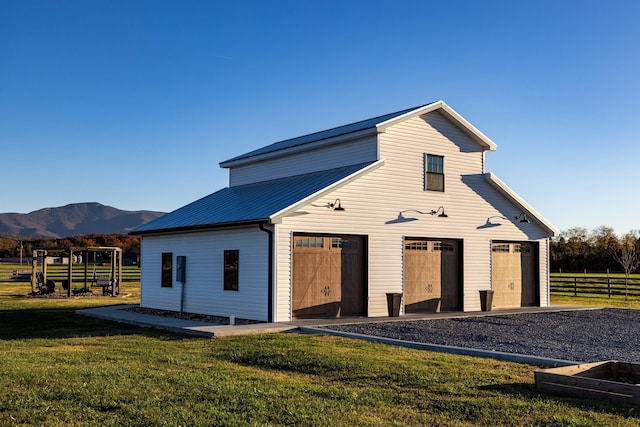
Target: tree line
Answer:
[[10, 246], [575, 249], [600, 249]]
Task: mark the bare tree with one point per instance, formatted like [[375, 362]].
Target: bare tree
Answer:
[[628, 257]]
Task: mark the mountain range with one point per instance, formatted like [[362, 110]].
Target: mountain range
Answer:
[[74, 219]]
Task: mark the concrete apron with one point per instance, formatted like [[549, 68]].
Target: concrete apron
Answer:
[[315, 326]]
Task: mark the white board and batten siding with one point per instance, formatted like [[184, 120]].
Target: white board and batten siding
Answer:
[[374, 200], [319, 159], [204, 288]]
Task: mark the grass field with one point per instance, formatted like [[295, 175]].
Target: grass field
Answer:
[[61, 369], [11, 291], [595, 300]]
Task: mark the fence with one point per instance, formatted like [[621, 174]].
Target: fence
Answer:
[[599, 285], [59, 272]]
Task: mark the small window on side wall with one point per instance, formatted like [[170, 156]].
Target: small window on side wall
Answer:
[[167, 270], [434, 172], [231, 264]]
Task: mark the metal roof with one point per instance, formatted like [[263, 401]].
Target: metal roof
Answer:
[[325, 134], [250, 203]]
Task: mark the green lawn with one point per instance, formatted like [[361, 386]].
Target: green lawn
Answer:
[[594, 300], [59, 368]]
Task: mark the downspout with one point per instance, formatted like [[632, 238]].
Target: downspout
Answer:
[[269, 273], [548, 272]]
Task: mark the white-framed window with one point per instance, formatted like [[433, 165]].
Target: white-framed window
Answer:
[[433, 172]]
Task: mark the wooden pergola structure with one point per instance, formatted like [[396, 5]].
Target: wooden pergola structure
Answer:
[[110, 283]]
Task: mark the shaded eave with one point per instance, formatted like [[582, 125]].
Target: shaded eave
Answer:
[[201, 227], [521, 204]]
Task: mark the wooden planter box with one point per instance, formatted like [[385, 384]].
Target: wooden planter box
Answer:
[[618, 381]]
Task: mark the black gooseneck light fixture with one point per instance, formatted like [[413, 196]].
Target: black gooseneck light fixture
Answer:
[[522, 218], [336, 205], [441, 210]]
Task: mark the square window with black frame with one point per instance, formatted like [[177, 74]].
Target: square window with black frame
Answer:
[[167, 270], [231, 264], [434, 172]]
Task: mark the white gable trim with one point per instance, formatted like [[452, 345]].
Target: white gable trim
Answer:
[[520, 203], [276, 218], [449, 113]]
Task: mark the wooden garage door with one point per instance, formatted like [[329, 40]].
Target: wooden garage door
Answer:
[[530, 284], [431, 275], [514, 278], [327, 276]]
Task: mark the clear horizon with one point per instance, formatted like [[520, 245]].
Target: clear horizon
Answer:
[[134, 104]]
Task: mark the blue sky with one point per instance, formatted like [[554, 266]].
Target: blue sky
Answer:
[[134, 103]]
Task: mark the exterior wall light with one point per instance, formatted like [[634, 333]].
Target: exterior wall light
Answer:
[[441, 210], [522, 217], [335, 205]]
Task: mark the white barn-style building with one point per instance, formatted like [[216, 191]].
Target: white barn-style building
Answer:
[[328, 224]]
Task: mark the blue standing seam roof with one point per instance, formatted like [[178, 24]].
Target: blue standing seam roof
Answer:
[[318, 136], [254, 202]]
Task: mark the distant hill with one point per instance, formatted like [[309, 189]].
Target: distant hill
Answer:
[[74, 219]]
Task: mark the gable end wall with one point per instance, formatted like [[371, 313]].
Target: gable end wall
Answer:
[[375, 199]]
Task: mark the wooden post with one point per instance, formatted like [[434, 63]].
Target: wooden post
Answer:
[[70, 272], [44, 267], [34, 265], [608, 283], [113, 273], [575, 286], [120, 261], [85, 260]]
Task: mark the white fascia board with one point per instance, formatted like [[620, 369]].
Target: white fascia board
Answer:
[[520, 203], [299, 148], [452, 115], [276, 218]]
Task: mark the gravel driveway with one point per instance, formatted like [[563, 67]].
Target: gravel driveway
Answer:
[[583, 336]]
